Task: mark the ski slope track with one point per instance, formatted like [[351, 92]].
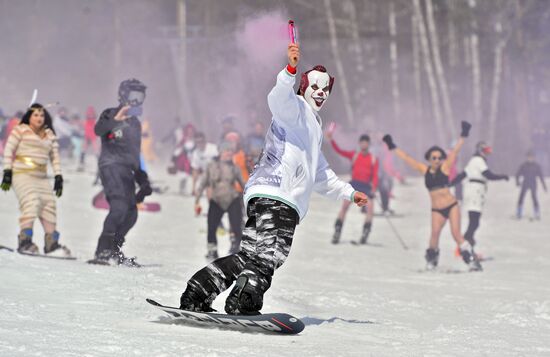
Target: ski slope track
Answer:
[[373, 300]]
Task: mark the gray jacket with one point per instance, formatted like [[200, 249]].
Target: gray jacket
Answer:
[[221, 177]]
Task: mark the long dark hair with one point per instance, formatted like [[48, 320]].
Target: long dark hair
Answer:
[[48, 124]]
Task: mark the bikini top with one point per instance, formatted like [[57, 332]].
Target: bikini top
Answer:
[[437, 180]]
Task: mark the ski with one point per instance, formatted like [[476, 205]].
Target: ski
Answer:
[[276, 323], [3, 247]]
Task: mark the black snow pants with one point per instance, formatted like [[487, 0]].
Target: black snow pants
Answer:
[[265, 245], [120, 190], [533, 189], [473, 225], [215, 214]]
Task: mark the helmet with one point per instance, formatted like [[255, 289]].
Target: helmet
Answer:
[[482, 148], [131, 92]]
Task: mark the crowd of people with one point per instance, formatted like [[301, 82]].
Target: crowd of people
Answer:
[[266, 176]]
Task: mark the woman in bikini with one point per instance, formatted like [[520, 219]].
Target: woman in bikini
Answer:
[[444, 204]]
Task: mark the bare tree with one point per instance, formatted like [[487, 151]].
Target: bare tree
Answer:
[[428, 67], [440, 75], [394, 63], [338, 61]]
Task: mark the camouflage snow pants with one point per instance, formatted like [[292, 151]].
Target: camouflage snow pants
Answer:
[[265, 244]]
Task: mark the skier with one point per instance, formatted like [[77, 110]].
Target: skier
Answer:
[[475, 189], [444, 204], [30, 145], [220, 178], [364, 178], [277, 194], [530, 170], [120, 170]]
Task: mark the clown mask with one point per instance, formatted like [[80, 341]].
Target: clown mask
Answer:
[[316, 86]]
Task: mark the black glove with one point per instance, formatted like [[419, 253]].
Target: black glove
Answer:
[[144, 186], [465, 129], [143, 192], [389, 141], [6, 181], [58, 185], [141, 177]]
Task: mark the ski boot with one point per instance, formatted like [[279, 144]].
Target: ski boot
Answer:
[[469, 257], [366, 231], [26, 246], [194, 300], [52, 246], [519, 212], [211, 252], [244, 299], [337, 231], [123, 260], [432, 258]]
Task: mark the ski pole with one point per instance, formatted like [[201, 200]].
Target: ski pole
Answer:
[[396, 233]]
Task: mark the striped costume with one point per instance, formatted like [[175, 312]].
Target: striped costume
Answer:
[[27, 155]]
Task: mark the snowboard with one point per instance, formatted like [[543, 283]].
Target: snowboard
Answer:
[[39, 255], [100, 202], [274, 323], [136, 264]]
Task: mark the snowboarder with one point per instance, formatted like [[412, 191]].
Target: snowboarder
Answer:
[[277, 194], [444, 204], [475, 188], [120, 170], [30, 145], [220, 178], [364, 178], [530, 170]]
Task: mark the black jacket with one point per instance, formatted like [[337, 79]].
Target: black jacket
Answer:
[[120, 140]]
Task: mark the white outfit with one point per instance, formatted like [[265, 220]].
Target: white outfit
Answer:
[[475, 187], [292, 164], [201, 159]]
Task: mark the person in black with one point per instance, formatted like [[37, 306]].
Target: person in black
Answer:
[[120, 170], [530, 171]]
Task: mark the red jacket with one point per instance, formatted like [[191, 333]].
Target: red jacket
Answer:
[[364, 167]]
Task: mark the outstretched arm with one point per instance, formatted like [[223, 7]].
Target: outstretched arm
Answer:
[[416, 165], [328, 184], [345, 153]]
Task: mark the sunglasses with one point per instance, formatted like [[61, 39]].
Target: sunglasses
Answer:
[[436, 158]]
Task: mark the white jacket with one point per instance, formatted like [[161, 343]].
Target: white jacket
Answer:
[[292, 164]]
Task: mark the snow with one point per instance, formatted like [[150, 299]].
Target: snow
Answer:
[[371, 300]]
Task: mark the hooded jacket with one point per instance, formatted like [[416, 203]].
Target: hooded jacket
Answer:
[[292, 164]]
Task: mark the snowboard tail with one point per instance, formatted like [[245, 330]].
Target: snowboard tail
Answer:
[[277, 323]]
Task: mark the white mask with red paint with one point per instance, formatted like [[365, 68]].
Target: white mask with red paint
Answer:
[[315, 86]]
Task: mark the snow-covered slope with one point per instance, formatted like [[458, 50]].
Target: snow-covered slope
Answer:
[[355, 300]]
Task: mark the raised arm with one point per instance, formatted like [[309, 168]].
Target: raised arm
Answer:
[[109, 120], [451, 158], [416, 165], [282, 100]]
